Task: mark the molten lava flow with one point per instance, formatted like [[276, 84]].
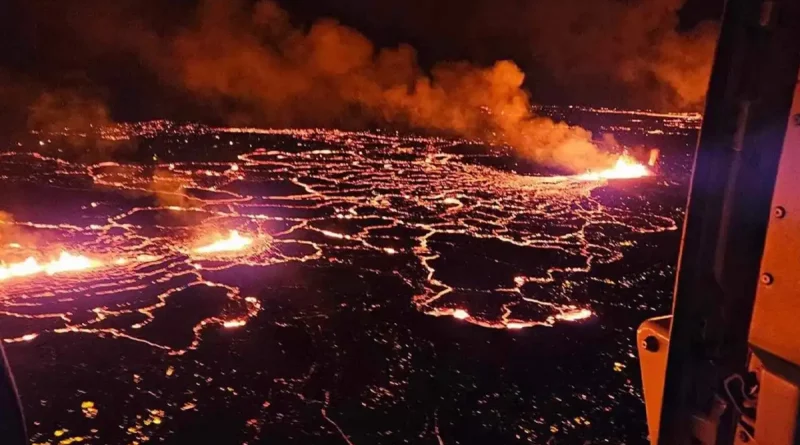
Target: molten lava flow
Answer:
[[231, 324], [575, 315], [461, 314], [233, 242], [625, 168], [66, 262]]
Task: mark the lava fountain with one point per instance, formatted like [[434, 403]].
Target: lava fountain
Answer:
[[66, 262], [625, 168], [234, 242]]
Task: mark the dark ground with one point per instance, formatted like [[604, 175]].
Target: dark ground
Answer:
[[339, 352]]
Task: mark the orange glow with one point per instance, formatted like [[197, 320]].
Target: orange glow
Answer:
[[329, 219], [460, 314], [575, 315], [231, 324], [233, 242], [26, 337], [625, 168], [66, 262]]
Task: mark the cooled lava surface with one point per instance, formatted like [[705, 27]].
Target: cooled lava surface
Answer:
[[318, 286]]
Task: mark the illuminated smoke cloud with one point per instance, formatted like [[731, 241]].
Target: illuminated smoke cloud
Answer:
[[72, 114], [591, 46], [250, 64], [12, 236], [7, 228], [67, 110], [32, 105], [168, 188], [260, 69], [621, 53]]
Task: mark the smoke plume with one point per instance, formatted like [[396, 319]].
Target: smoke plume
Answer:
[[67, 110], [622, 53], [11, 233], [591, 46], [259, 68], [72, 114], [252, 63]]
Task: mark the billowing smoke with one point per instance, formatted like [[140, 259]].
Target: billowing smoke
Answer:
[[34, 106], [591, 46], [259, 68], [71, 114], [169, 189], [251, 64], [6, 227], [67, 111], [620, 53]]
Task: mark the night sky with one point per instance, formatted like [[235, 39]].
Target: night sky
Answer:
[[598, 52]]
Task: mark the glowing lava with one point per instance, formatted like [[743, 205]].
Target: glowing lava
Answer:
[[460, 314], [625, 168], [232, 243], [231, 324], [575, 315], [339, 207], [66, 262]]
